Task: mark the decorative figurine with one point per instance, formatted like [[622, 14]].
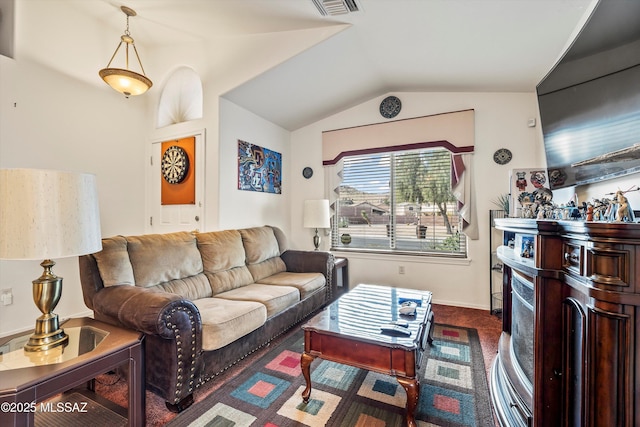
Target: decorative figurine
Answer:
[[623, 211], [589, 215], [600, 207], [542, 205]]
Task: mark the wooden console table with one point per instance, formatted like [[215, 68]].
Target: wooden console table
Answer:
[[334, 335], [94, 348], [569, 354]]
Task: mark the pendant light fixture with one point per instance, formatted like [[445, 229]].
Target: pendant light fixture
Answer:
[[124, 80]]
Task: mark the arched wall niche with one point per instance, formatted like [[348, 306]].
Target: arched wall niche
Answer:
[[181, 98]]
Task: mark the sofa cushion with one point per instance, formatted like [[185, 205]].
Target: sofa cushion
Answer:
[[191, 288], [267, 268], [221, 250], [259, 244], [113, 262], [223, 260], [275, 298], [224, 320], [306, 283], [159, 258], [230, 279], [283, 242]]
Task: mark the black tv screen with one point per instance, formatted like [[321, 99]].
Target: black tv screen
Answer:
[[590, 102], [592, 130]]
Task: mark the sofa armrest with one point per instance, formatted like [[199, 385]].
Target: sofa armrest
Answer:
[[173, 327], [311, 261], [154, 313]]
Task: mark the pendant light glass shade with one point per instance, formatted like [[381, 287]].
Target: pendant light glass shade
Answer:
[[124, 80]]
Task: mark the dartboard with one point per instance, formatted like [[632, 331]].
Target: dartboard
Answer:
[[175, 165]]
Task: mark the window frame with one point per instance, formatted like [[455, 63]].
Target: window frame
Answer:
[[392, 227]]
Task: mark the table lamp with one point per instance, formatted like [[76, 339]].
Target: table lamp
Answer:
[[316, 215], [47, 214]]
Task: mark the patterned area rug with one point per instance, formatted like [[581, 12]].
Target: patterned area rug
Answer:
[[453, 390]]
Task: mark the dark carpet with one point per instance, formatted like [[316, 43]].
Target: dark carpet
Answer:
[[453, 390]]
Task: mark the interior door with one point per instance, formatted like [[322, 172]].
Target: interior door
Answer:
[[182, 215]]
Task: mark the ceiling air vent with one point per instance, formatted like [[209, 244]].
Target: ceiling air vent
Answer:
[[336, 7]]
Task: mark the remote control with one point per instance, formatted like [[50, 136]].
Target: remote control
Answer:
[[395, 329], [401, 322]]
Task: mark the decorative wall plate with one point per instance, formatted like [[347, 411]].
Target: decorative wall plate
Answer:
[[307, 172], [175, 164], [390, 107], [502, 156]]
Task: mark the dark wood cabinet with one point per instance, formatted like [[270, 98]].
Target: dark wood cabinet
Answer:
[[569, 355]]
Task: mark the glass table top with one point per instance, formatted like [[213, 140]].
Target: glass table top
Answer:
[[82, 339], [361, 312]]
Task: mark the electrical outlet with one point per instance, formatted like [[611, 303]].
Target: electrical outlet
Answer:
[[6, 296], [401, 269]]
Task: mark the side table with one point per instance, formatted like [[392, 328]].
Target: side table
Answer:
[[94, 348], [340, 277]]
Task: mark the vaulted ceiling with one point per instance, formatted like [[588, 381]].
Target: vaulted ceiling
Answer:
[[388, 46]]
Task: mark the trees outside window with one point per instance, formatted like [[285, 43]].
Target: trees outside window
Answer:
[[399, 202]]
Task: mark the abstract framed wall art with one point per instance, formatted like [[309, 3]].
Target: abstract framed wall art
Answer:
[[259, 169]]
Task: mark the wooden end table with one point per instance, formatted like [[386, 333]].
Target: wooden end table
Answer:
[[94, 348], [340, 276], [348, 332]]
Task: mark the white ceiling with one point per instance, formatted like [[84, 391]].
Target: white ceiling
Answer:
[[389, 46]]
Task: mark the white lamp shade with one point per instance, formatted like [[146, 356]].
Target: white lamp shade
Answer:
[[47, 214], [316, 214]]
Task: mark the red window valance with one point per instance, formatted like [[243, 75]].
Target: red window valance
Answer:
[[454, 131]]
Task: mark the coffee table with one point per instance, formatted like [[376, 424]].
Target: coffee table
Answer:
[[348, 331]]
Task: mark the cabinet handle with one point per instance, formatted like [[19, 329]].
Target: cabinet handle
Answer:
[[571, 257]]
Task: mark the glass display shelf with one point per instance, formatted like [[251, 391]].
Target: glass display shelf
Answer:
[[82, 339]]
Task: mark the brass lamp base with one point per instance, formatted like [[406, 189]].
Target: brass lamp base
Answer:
[[47, 290], [316, 240], [48, 334]]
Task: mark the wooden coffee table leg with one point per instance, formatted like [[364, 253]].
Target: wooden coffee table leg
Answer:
[[305, 365], [412, 387]]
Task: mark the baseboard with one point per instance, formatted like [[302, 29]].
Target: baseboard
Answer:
[[458, 304], [86, 313]]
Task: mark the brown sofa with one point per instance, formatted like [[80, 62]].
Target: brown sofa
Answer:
[[203, 301]]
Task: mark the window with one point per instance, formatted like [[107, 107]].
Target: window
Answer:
[[398, 202]]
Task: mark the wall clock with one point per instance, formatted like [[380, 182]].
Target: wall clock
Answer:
[[390, 107], [502, 156], [307, 172], [175, 165]]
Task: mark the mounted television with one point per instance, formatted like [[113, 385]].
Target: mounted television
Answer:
[[590, 101]]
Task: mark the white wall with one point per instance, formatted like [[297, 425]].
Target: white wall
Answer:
[[77, 123], [66, 118], [51, 121], [500, 121], [238, 208]]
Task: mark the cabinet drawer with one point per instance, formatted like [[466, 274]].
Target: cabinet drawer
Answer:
[[572, 261], [609, 265]]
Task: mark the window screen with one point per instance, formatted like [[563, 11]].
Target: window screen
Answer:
[[400, 202]]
